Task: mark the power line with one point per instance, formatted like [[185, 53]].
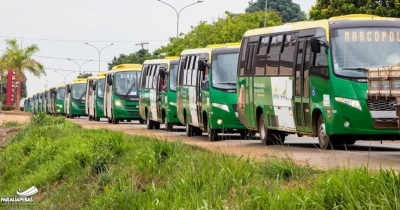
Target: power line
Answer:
[[71, 40], [58, 58]]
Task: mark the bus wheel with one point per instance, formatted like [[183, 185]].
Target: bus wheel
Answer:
[[149, 123], [189, 129], [141, 121], [90, 118], [265, 135], [198, 132], [325, 141], [115, 121], [168, 125], [156, 125], [109, 120], [211, 133]]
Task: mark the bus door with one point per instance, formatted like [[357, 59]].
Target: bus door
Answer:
[[302, 87], [161, 91], [201, 72], [249, 112]]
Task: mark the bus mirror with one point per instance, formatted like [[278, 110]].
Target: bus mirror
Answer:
[[94, 86], [315, 45], [162, 73], [109, 81], [202, 65]]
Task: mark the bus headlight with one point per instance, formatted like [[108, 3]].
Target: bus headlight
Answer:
[[99, 104], [118, 103], [221, 106], [74, 105], [350, 102]]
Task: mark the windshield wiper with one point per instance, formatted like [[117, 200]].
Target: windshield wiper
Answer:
[[80, 98], [227, 83], [130, 89], [362, 69]]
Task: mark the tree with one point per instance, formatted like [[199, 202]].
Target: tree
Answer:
[[20, 60], [224, 30], [290, 12], [138, 57], [324, 9], [84, 75]]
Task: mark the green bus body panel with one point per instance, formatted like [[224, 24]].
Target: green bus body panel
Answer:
[[182, 102], [169, 105], [99, 109], [229, 119], [144, 99], [59, 106], [130, 109], [77, 111]]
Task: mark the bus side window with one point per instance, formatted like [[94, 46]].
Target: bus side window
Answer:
[[272, 64], [321, 59], [287, 56], [242, 63]]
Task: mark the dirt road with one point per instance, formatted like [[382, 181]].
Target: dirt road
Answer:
[[301, 150]]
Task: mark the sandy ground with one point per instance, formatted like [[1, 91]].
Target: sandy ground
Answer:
[[302, 150]]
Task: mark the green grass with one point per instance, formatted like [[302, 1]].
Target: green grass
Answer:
[[76, 168], [11, 124]]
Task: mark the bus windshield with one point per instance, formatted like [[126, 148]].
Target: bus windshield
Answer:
[[127, 83], [355, 49], [78, 91], [173, 70], [100, 88], [61, 93], [223, 70]]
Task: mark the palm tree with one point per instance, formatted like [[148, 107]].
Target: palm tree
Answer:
[[20, 60]]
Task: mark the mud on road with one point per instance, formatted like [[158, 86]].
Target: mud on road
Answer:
[[301, 150]]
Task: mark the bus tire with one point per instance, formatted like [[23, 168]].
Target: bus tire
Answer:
[[265, 134], [168, 125], [141, 121], [212, 134], [156, 125], [189, 129], [198, 131], [149, 123], [109, 120], [325, 141], [115, 121], [90, 118]]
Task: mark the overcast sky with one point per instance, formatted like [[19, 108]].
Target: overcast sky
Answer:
[[60, 29]]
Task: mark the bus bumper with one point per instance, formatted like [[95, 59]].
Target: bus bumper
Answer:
[[348, 121], [126, 114], [99, 112], [224, 120]]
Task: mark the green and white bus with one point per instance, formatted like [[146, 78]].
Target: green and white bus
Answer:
[[46, 101], [74, 102], [34, 103], [40, 101], [308, 78], [206, 90], [59, 95], [95, 96], [121, 96], [157, 100]]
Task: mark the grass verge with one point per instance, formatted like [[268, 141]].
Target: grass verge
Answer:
[[76, 168]]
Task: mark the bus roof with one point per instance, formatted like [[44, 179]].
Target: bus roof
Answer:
[[301, 25], [127, 67], [164, 60], [101, 74], [60, 85], [209, 48], [79, 80]]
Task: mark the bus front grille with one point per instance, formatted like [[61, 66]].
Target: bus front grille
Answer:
[[234, 107], [385, 123], [381, 105], [131, 106]]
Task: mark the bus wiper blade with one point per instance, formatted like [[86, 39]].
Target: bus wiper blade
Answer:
[[227, 83], [363, 69]]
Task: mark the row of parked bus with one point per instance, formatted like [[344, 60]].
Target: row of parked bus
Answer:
[[306, 78]]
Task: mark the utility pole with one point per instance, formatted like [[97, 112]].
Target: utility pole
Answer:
[[142, 44], [265, 15]]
